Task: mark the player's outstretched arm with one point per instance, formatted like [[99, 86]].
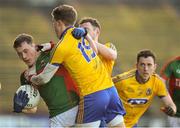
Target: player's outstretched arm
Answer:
[[45, 76], [170, 107]]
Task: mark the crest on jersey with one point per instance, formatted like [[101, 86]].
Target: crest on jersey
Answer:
[[178, 71], [43, 63], [148, 92]]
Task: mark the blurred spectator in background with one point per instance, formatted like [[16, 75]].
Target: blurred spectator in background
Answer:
[[170, 72], [138, 87]]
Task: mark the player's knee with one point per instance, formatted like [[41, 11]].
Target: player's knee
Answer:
[[118, 121]]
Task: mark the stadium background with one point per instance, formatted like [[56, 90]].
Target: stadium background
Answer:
[[131, 25]]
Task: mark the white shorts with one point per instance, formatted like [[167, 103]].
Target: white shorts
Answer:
[[64, 119], [118, 120], [94, 124], [173, 121]]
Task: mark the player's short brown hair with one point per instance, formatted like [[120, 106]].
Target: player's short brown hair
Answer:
[[146, 53], [94, 22], [66, 13], [21, 38]]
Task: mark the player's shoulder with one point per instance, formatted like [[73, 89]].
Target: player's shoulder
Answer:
[[124, 76], [67, 37], [172, 61], [169, 65], [177, 58], [68, 33], [157, 77]]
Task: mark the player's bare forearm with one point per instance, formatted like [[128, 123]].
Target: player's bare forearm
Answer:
[[92, 43], [168, 110], [45, 76], [170, 107], [106, 52]]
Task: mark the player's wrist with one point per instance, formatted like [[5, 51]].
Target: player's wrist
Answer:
[[18, 109]]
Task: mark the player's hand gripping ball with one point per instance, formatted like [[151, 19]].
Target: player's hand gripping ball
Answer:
[[33, 95]]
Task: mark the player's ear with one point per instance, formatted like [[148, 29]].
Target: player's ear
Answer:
[[136, 65], [155, 66], [98, 31]]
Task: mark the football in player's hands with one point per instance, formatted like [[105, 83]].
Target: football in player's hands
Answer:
[[26, 96]]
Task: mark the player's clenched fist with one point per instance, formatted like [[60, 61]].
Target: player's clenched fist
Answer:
[[168, 110]]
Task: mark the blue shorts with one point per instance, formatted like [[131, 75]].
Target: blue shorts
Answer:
[[103, 105], [135, 126]]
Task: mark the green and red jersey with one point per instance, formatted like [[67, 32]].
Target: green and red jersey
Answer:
[[60, 93], [171, 73]]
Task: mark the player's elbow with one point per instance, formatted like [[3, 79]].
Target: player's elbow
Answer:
[[112, 56], [174, 108], [40, 80], [43, 80]]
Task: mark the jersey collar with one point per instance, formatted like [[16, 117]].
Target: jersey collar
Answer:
[[64, 32]]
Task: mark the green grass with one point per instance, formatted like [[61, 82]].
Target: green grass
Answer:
[[129, 28]]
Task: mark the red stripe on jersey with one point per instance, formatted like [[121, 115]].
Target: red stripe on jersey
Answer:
[[70, 83], [166, 64]]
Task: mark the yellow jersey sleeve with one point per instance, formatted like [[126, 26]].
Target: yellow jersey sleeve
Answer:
[[161, 89], [108, 63], [62, 49]]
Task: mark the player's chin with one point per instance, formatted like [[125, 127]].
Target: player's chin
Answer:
[[146, 77], [29, 64]]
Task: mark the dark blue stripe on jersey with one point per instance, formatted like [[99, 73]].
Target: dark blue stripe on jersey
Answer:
[[56, 64], [64, 32]]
